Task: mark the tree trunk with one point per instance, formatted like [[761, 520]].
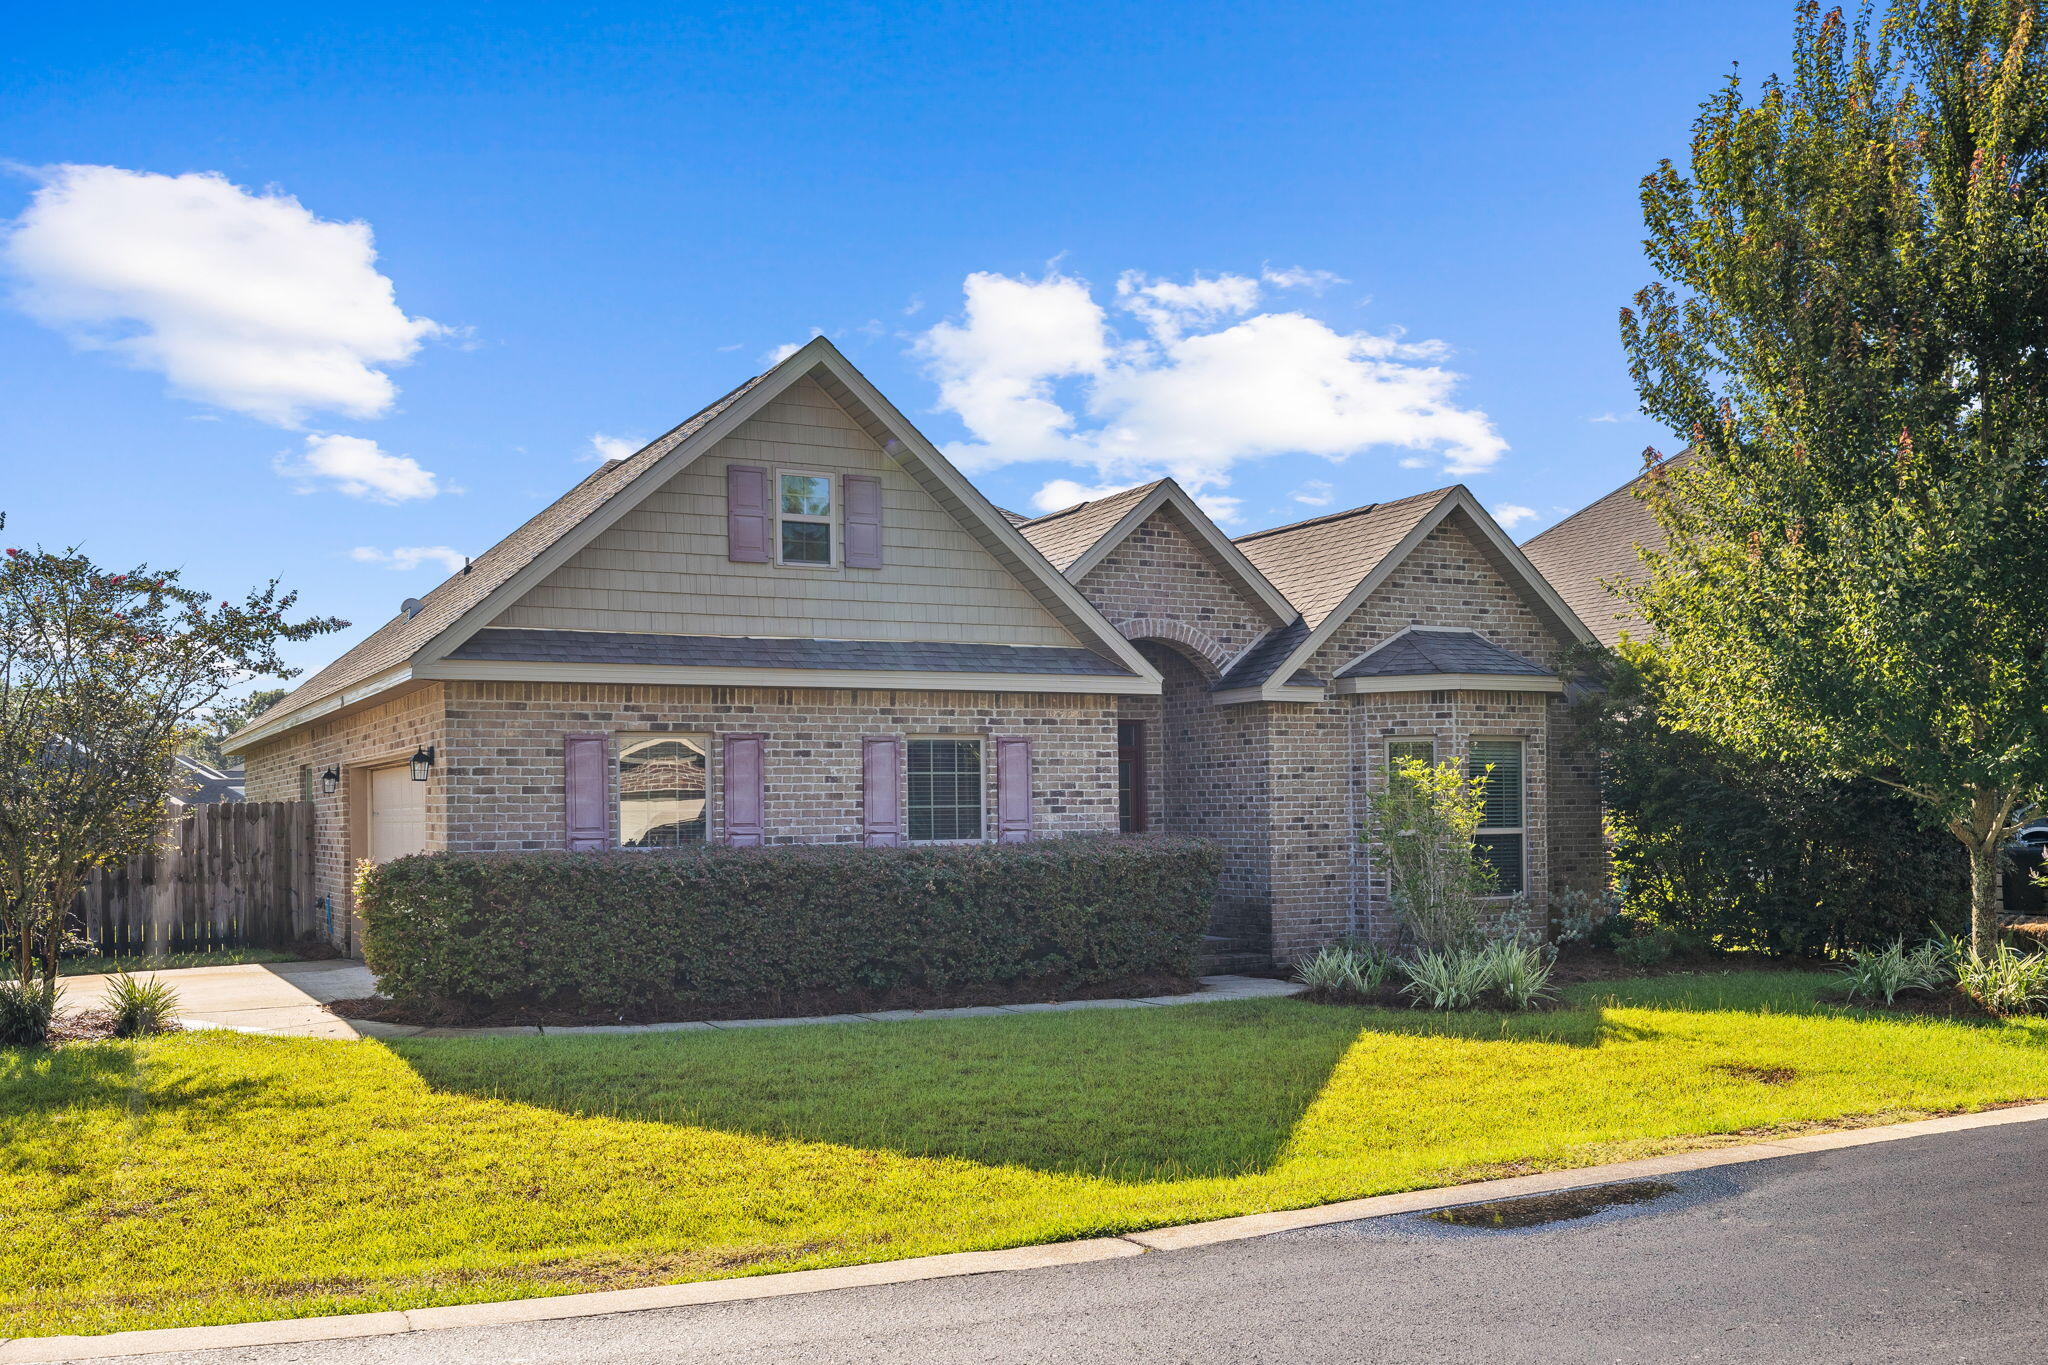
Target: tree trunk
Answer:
[[1987, 913]]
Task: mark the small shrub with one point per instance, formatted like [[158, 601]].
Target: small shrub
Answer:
[[1590, 919], [1449, 979], [1885, 972], [1654, 948], [716, 926], [2006, 982], [1344, 971], [26, 1011], [140, 1007], [1517, 971]]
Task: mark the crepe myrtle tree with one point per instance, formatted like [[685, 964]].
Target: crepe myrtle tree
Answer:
[[102, 675], [1850, 334]]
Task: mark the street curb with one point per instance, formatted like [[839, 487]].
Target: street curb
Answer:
[[36, 1350]]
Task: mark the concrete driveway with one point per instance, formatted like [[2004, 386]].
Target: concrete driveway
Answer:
[[1924, 1249], [271, 997]]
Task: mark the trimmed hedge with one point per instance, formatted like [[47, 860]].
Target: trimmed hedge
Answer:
[[626, 931]]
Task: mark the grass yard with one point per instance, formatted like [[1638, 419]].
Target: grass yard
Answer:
[[94, 964], [216, 1177]]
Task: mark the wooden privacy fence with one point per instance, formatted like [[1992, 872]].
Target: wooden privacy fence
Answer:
[[239, 872]]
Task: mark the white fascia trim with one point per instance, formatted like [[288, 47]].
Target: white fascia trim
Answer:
[[1205, 527], [683, 675], [348, 696], [1447, 682], [1239, 696]]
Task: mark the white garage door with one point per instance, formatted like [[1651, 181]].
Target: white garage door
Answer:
[[398, 814]]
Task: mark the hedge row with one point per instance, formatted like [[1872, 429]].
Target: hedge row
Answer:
[[623, 931]]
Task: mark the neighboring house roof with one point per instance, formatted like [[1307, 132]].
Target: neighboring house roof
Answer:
[[418, 646], [1443, 657], [202, 784], [1064, 536], [1316, 563], [1596, 546], [1329, 565], [729, 651]]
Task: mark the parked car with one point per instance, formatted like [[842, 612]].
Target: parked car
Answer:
[[2025, 854]]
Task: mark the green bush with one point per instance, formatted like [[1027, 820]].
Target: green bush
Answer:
[[140, 1007], [622, 931], [27, 1010], [1742, 854]]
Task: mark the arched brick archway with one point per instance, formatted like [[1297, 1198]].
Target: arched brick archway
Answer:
[[1190, 641]]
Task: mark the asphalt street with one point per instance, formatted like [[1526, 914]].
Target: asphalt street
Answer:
[[1928, 1249]]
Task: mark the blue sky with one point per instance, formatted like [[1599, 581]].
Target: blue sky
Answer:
[[1319, 214]]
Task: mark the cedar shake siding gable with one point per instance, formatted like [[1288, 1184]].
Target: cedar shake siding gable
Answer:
[[666, 567]]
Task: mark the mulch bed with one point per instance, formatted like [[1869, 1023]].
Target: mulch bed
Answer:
[[87, 1026], [455, 1014]]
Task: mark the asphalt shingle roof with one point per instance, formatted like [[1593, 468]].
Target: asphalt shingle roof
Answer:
[[1316, 563], [1422, 652], [1257, 663], [398, 639], [1064, 536], [1594, 545], [503, 644]]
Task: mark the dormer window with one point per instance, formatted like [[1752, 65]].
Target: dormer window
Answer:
[[804, 514]]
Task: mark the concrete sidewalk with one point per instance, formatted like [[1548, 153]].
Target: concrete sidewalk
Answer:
[[285, 998]]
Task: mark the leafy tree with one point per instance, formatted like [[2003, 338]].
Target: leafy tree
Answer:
[[101, 675], [224, 719], [1849, 332]]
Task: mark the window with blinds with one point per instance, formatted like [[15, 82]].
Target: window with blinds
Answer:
[[945, 790], [1499, 840]]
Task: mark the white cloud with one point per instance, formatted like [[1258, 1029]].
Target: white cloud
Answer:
[[243, 300], [1063, 493], [1512, 514], [1294, 277], [1221, 508], [1604, 417], [603, 447], [407, 557], [356, 466], [1038, 370], [1315, 493], [789, 348]]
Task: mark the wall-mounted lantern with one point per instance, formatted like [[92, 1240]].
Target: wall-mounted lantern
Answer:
[[329, 781], [422, 763]]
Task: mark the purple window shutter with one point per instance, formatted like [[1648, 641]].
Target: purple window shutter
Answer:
[[1013, 790], [586, 791], [881, 797], [863, 522], [746, 513], [742, 790]]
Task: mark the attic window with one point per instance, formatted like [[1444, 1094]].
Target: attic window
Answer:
[[804, 514]]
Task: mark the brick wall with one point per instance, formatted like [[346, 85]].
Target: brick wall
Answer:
[[503, 756], [1161, 583], [289, 768]]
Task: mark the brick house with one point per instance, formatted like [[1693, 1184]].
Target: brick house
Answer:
[[791, 620]]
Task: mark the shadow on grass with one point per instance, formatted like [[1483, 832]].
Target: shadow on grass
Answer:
[[1134, 1096]]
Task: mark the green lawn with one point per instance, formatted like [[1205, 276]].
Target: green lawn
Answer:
[[216, 1177]]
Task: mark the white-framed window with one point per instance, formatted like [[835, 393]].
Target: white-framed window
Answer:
[[1499, 841], [945, 794], [806, 518], [664, 790]]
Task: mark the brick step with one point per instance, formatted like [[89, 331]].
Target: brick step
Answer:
[[1234, 963]]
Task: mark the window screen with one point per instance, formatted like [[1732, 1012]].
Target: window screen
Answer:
[[662, 786], [1499, 838], [945, 789]]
